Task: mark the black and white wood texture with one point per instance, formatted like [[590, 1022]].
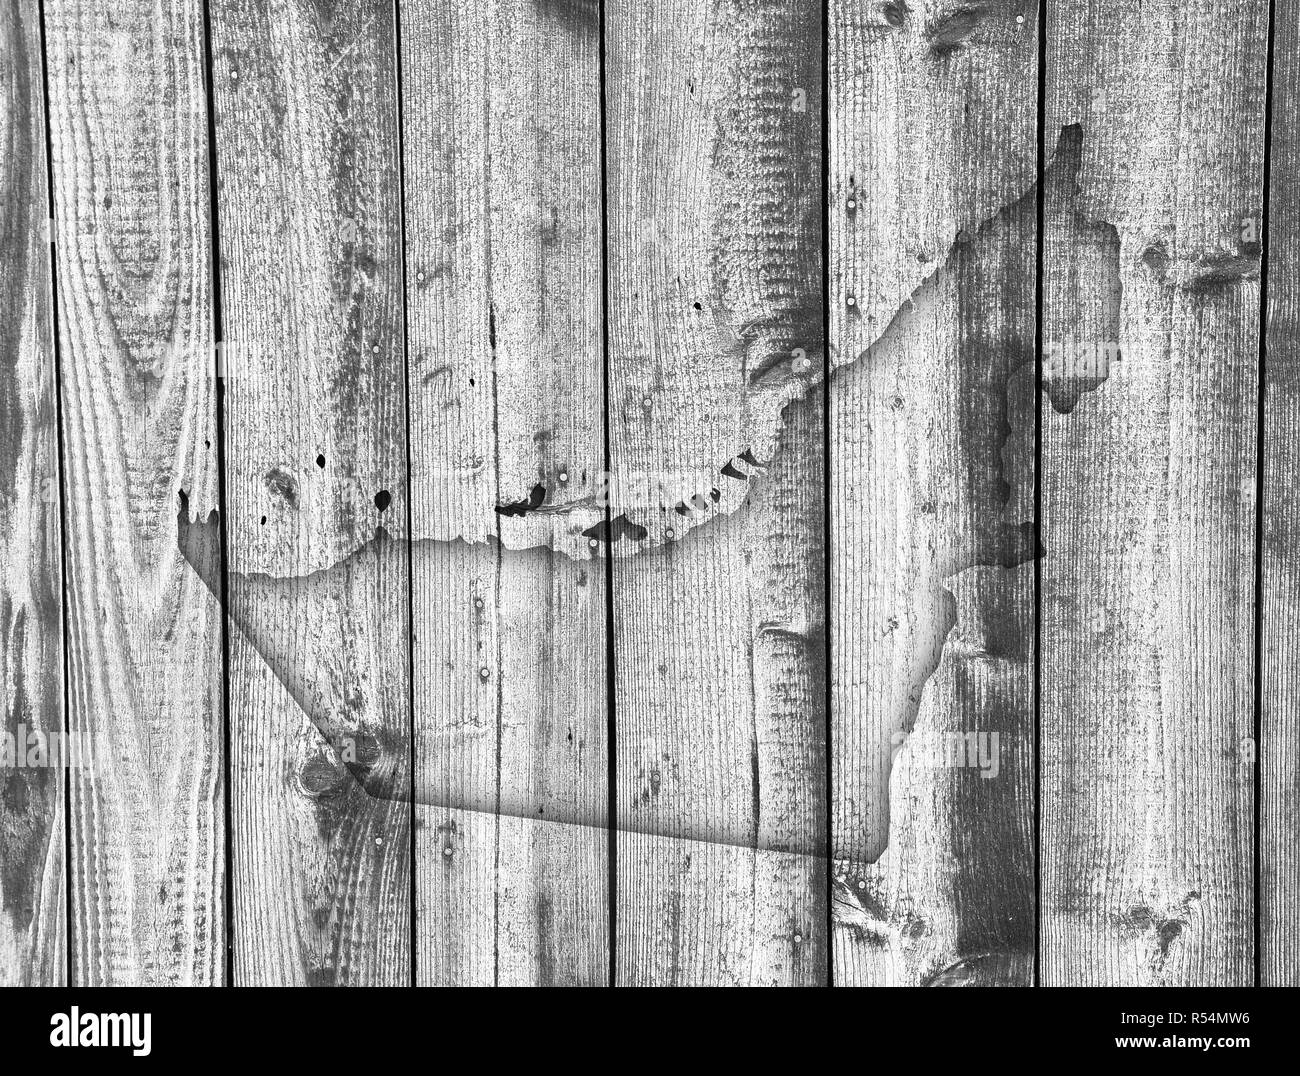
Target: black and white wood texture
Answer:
[[32, 820], [1148, 495], [691, 492], [1279, 509], [129, 140]]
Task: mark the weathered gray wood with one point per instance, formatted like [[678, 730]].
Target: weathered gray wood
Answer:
[[32, 911], [502, 147], [715, 322], [1147, 495], [311, 260], [932, 278], [1151, 239], [127, 115], [1279, 687]]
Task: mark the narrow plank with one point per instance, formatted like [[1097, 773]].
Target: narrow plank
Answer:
[[32, 910], [130, 159], [501, 125], [715, 323], [932, 276], [1148, 485], [1279, 686], [310, 240]]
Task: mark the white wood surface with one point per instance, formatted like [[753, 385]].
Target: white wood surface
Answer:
[[129, 140]]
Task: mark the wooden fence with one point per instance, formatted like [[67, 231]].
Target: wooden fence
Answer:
[[650, 492]]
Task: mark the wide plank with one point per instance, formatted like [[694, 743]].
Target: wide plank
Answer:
[[313, 357], [32, 911], [502, 129], [713, 194], [1279, 686], [1151, 324], [129, 137], [932, 215]]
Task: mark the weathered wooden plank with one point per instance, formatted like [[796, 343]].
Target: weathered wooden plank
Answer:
[[32, 910], [311, 259], [1148, 493], [127, 116], [715, 323], [502, 126], [932, 291], [1279, 685]]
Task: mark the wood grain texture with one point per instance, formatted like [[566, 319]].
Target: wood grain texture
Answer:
[[311, 262], [1147, 496], [129, 138], [932, 291], [502, 130], [1279, 685], [466, 538], [32, 910], [715, 322]]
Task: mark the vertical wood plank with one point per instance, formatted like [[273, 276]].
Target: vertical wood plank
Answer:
[[715, 322], [130, 153], [311, 259], [932, 293], [1148, 494], [504, 251], [1280, 680], [32, 895]]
